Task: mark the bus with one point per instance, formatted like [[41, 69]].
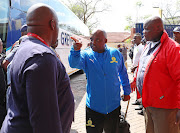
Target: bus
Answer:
[[13, 16]]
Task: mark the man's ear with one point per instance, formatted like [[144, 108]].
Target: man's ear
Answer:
[[52, 24], [106, 41]]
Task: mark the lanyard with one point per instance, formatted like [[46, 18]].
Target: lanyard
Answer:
[[38, 37]]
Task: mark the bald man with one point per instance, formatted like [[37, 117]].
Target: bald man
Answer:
[[40, 98], [104, 67], [158, 79]]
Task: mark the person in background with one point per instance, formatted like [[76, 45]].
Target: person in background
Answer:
[[2, 86], [176, 34], [124, 54], [158, 79], [138, 48], [141, 108], [14, 48], [23, 33], [123, 50], [119, 47], [103, 67], [9, 58], [40, 98], [131, 50]]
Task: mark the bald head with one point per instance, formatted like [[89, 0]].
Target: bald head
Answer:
[[156, 22], [153, 29], [101, 32], [42, 20], [39, 15]]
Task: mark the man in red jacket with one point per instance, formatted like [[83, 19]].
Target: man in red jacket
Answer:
[[158, 79]]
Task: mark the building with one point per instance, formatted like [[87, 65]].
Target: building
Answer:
[[115, 38]]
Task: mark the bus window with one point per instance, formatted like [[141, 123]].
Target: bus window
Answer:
[[25, 4], [4, 9], [12, 18], [68, 20]]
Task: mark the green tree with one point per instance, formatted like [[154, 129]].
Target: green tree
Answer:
[[130, 23], [171, 12], [85, 10], [139, 4]]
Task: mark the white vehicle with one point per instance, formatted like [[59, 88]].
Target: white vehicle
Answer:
[[13, 16]]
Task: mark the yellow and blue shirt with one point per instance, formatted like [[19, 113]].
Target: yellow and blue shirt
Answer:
[[105, 73]]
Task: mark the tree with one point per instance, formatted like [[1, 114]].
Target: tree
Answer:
[[85, 10], [131, 21], [170, 10], [139, 4]]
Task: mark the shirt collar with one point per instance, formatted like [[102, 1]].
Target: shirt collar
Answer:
[[153, 43]]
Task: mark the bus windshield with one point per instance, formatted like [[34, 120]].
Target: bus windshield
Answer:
[[67, 20], [13, 16], [4, 9]]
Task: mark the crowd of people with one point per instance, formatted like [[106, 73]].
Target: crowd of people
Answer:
[[36, 96]]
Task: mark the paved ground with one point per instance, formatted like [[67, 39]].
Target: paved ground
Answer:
[[78, 87]]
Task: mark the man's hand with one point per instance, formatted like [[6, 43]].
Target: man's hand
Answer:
[[133, 86], [5, 64], [125, 97], [178, 118], [77, 45]]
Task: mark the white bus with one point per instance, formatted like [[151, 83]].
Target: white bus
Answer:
[[13, 16]]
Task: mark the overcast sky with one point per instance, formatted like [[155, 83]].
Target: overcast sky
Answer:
[[115, 20]]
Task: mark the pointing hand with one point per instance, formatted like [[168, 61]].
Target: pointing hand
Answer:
[[77, 45]]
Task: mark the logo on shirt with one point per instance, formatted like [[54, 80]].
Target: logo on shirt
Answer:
[[114, 60], [91, 60], [89, 123]]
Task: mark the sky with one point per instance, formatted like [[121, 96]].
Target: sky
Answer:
[[115, 20]]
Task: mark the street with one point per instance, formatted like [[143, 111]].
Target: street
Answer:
[[78, 86]]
